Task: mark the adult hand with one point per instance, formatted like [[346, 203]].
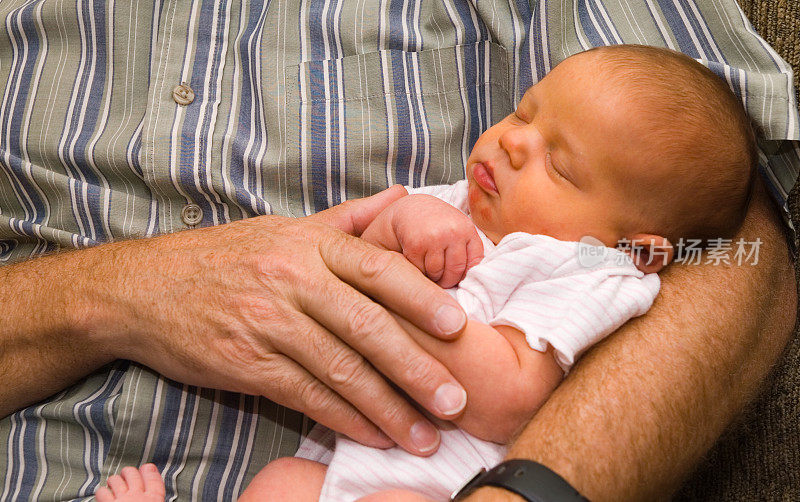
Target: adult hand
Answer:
[[282, 307]]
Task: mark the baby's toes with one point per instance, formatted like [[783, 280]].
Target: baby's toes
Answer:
[[134, 485], [133, 478], [117, 485], [103, 494], [153, 484]]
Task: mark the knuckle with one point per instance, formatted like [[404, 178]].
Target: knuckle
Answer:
[[464, 232], [416, 241], [314, 395], [376, 263], [273, 267], [435, 268], [267, 312], [270, 368], [346, 367], [345, 206], [445, 229], [413, 255], [392, 413], [419, 371], [238, 351], [365, 319], [303, 229], [412, 248]]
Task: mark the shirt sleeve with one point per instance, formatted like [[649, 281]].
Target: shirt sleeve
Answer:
[[544, 291]]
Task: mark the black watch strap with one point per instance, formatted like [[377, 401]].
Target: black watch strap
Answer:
[[528, 479]]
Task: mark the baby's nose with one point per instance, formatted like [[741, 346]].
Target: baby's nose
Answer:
[[520, 143]]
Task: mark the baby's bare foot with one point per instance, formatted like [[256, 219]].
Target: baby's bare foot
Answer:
[[133, 485]]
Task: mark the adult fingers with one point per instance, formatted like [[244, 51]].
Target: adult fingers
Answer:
[[348, 374], [369, 329], [455, 264], [287, 383], [394, 282], [354, 216]]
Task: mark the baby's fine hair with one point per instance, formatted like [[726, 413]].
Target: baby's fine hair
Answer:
[[698, 126]]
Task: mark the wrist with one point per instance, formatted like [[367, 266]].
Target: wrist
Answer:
[[46, 348], [490, 493], [95, 312], [526, 479]]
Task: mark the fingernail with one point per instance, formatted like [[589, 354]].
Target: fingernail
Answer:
[[424, 436], [450, 399], [449, 319]]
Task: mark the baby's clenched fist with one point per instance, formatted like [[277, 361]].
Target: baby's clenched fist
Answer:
[[437, 238]]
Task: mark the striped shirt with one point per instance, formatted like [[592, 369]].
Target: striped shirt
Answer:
[[297, 106]]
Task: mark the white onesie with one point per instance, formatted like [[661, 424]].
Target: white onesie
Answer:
[[534, 283]]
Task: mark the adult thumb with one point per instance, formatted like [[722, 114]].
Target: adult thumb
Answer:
[[354, 216]]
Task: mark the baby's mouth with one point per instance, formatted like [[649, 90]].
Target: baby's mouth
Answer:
[[484, 177]]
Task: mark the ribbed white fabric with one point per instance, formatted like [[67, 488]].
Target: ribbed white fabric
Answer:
[[534, 283]]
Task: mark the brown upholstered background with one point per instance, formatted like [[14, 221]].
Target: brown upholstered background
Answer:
[[759, 458]]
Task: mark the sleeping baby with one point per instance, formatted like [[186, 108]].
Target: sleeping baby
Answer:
[[628, 148]]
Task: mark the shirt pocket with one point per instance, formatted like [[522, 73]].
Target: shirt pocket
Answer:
[[360, 123]]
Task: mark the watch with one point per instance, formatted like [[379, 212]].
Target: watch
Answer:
[[528, 479]]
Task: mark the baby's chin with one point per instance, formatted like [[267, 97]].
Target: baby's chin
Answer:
[[482, 213]]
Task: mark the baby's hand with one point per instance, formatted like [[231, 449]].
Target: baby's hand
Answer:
[[437, 238]]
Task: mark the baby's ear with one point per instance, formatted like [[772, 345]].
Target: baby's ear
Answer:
[[650, 253]]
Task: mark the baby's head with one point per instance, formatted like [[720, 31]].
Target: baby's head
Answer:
[[619, 143]]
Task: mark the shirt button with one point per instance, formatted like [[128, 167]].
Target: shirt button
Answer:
[[192, 214], [183, 94]]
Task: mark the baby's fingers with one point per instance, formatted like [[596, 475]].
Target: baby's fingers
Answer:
[[434, 264], [474, 251], [455, 265]]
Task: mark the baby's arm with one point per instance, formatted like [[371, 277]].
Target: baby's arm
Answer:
[[436, 237], [506, 380]]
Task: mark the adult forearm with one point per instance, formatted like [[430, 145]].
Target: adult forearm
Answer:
[[269, 306], [42, 350], [639, 411]]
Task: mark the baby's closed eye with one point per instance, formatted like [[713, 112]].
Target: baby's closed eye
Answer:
[[548, 162]]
